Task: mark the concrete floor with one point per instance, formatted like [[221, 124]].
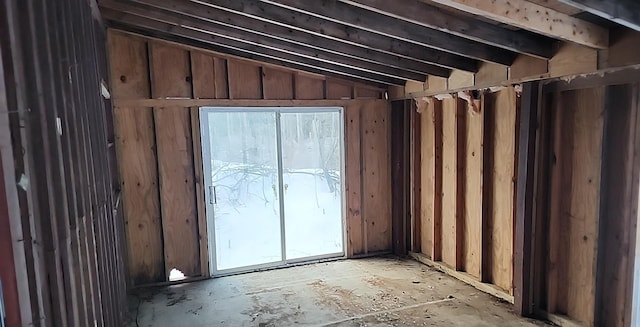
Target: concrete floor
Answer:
[[364, 292]]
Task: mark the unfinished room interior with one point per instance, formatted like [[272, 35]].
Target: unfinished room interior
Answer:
[[319, 163]]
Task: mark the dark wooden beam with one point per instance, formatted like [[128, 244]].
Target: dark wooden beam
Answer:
[[523, 260], [196, 38], [624, 12], [320, 33], [421, 13], [224, 30], [396, 28]]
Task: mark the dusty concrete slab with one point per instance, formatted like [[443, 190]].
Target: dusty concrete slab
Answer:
[[364, 292]]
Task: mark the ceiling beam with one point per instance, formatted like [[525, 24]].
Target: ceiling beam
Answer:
[[306, 29], [624, 12], [536, 18], [430, 16], [227, 31], [395, 28], [245, 50]]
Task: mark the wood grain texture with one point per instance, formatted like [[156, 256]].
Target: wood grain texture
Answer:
[[573, 59], [277, 84], [473, 191], [376, 172], [203, 72], [309, 88], [491, 74], [527, 66], [536, 18], [449, 183], [170, 67], [338, 90], [135, 146], [502, 174], [245, 80], [199, 189], [355, 224], [427, 176], [575, 205], [221, 78]]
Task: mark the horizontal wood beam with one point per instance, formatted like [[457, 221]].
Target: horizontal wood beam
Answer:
[[227, 31], [395, 28], [536, 18], [313, 31], [195, 38], [624, 12], [186, 103], [424, 14]]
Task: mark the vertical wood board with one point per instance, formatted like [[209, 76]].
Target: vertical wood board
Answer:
[[277, 84], [376, 174], [473, 191], [203, 72], [355, 224], [245, 80], [449, 182]]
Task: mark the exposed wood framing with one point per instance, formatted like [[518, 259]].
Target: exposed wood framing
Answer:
[[624, 12], [527, 15], [427, 15]]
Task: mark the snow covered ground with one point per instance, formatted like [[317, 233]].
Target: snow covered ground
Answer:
[[247, 214]]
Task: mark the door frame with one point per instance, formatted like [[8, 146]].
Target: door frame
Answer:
[[209, 213]]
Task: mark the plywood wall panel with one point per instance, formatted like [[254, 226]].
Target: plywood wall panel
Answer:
[[337, 90], [449, 181], [376, 174], [135, 146], [428, 235], [221, 78], [575, 204], [170, 67], [502, 173], [353, 178], [278, 85], [245, 80], [308, 88], [203, 72], [473, 191], [177, 190]]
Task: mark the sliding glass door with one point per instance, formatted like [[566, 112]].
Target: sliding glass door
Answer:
[[274, 189]]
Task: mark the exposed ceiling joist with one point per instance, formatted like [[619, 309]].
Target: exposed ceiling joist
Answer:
[[307, 29], [430, 16], [374, 22], [205, 40], [536, 18], [226, 31], [624, 12]]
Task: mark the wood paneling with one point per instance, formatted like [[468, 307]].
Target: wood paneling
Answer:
[[473, 191], [355, 224], [135, 145], [245, 80], [430, 230], [574, 214], [500, 218], [169, 192], [278, 85], [337, 90], [376, 174], [449, 183]]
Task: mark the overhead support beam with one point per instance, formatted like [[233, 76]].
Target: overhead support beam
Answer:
[[536, 18], [395, 28], [424, 14], [197, 38], [300, 28], [624, 12], [225, 31]]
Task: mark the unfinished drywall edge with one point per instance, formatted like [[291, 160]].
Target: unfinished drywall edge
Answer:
[[464, 277], [542, 77]]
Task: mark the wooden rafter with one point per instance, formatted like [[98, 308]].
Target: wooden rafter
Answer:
[[396, 28], [430, 16], [536, 18], [225, 31], [624, 12], [307, 29], [172, 32]]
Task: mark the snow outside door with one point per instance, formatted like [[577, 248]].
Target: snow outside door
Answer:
[[274, 186]]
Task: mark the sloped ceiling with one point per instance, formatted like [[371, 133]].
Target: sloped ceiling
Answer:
[[377, 42]]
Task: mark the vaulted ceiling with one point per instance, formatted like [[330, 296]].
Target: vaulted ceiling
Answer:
[[380, 42]]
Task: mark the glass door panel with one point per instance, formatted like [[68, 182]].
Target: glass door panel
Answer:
[[243, 188], [312, 161]]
